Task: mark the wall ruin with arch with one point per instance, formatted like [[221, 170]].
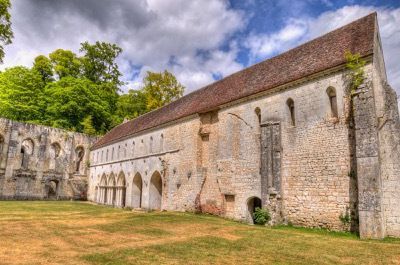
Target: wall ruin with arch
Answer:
[[39, 162]]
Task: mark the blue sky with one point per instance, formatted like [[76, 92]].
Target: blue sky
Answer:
[[199, 41]]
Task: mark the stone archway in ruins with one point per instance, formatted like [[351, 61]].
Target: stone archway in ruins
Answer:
[[252, 204], [155, 191], [52, 189], [121, 190], [103, 190], [137, 191], [111, 190]]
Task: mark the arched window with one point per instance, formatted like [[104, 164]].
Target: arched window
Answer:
[[112, 154], [162, 143], [126, 147], [1, 146], [151, 145], [290, 104], [119, 151], [1, 143], [79, 154], [107, 155], [102, 156], [258, 114], [27, 149], [55, 150], [332, 101], [133, 148]]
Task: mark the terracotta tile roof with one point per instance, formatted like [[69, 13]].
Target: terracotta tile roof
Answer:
[[312, 57]]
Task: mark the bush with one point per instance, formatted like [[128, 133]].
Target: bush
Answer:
[[261, 216]]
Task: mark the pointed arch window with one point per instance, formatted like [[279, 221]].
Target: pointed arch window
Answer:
[[332, 101], [290, 104]]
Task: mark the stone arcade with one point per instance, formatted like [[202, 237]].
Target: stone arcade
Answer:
[[285, 134]]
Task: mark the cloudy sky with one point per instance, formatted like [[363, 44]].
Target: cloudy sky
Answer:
[[198, 40]]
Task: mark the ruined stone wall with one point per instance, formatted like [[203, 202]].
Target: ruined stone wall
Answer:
[[39, 162]]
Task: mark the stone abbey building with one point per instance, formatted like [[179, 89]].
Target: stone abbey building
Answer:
[[287, 134]]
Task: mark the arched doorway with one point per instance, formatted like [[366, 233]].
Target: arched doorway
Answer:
[[137, 191], [52, 187], [111, 190], [120, 189], [252, 204], [155, 192], [103, 190]]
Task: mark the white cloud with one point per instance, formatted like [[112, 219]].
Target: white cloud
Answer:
[[297, 31], [150, 32]]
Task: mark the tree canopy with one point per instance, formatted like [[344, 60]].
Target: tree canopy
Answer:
[[81, 93], [6, 33], [161, 89]]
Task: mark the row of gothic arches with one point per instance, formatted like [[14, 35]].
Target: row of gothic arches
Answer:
[[112, 191]]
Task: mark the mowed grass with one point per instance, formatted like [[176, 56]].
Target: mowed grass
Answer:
[[83, 233]]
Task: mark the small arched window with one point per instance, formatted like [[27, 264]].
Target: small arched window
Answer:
[[102, 156], [79, 153], [55, 150], [27, 149], [133, 148], [332, 101], [1, 143], [119, 151], [107, 155], [112, 154], [258, 114], [151, 145], [126, 146], [290, 104], [162, 143]]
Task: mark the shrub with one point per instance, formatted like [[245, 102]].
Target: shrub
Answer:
[[345, 218], [261, 216]]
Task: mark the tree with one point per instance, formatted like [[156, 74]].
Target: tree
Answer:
[[65, 63], [6, 33], [21, 94], [87, 124], [71, 100], [43, 66], [99, 63], [161, 89], [131, 105]]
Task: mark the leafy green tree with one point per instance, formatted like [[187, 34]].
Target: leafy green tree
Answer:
[[6, 33], [65, 63], [21, 94], [131, 105], [87, 125], [71, 100], [99, 63], [161, 89], [43, 65]]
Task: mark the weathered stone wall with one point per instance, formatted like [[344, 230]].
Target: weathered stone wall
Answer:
[[39, 162], [211, 162], [312, 152], [388, 128]]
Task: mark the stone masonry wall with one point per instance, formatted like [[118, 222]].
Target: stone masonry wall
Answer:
[[211, 162], [39, 162]]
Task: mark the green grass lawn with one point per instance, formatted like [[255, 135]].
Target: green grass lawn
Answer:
[[82, 233]]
